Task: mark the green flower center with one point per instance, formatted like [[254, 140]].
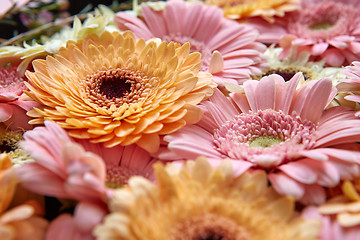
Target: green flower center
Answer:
[[321, 26], [265, 141]]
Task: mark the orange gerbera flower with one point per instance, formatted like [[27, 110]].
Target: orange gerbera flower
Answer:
[[118, 90], [268, 9]]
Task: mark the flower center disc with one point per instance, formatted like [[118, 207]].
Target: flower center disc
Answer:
[[115, 86], [118, 86], [256, 135], [118, 176], [285, 73], [209, 227]]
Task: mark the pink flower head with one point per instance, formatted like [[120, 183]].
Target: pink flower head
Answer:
[[63, 168], [13, 107], [328, 30], [229, 49], [278, 128]]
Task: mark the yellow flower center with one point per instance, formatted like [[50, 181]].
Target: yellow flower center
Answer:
[[209, 227], [321, 26], [265, 141]]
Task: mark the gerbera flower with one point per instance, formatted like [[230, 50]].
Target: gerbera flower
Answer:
[[64, 169], [267, 9], [13, 105], [229, 50], [198, 202], [341, 214], [118, 90], [328, 30], [294, 63], [287, 67], [22, 220], [280, 129], [100, 21], [350, 85]]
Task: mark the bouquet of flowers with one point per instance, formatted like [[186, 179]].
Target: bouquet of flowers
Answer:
[[181, 120]]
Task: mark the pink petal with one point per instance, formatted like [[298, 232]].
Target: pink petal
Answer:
[[318, 94], [241, 101], [319, 48], [18, 119], [265, 93], [155, 21], [338, 44], [6, 112], [240, 167], [174, 14], [191, 142], [213, 15], [87, 216], [32, 176], [355, 47], [300, 171], [314, 194], [228, 110], [302, 41], [62, 228], [334, 57], [285, 185], [250, 91], [285, 93], [194, 15]]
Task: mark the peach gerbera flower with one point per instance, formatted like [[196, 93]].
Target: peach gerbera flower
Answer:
[[229, 50], [118, 90], [20, 221], [197, 202], [267, 9], [281, 129], [64, 169]]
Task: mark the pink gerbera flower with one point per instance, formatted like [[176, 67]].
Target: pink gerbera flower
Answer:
[[327, 29], [64, 168], [280, 129], [13, 105], [229, 49]]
